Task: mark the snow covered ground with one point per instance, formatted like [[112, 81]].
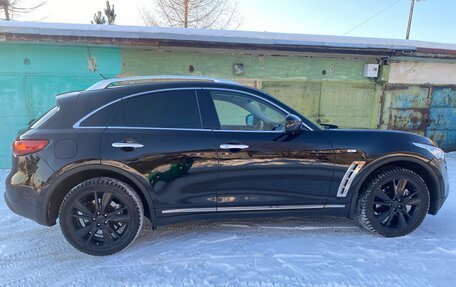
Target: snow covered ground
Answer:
[[265, 252]]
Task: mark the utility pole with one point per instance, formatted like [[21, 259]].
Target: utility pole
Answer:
[[412, 4]]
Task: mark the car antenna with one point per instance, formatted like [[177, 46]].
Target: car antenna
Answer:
[[102, 76]]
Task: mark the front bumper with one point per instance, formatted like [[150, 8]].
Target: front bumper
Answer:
[[440, 168]]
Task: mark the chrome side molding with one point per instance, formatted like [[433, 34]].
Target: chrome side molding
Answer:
[[348, 178], [190, 210], [252, 208]]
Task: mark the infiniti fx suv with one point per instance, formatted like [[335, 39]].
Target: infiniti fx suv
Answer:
[[189, 148]]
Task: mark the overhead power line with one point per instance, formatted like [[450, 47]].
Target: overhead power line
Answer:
[[372, 17]]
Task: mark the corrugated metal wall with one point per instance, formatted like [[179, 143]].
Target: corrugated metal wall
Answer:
[[405, 108], [442, 117], [423, 109]]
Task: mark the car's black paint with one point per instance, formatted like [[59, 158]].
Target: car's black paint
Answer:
[[184, 169], [276, 169]]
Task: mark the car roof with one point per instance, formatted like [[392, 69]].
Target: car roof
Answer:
[[125, 90]]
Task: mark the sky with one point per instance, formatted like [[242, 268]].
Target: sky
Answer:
[[433, 20]]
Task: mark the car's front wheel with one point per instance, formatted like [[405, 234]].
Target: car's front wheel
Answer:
[[393, 203], [101, 216]]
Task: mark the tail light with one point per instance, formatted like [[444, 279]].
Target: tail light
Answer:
[[23, 147]]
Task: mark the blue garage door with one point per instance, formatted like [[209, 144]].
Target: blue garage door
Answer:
[[442, 117]]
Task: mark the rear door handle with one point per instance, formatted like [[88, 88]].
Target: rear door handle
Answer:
[[233, 146], [127, 145]]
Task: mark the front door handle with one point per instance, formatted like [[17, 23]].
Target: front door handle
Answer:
[[233, 146], [127, 145]]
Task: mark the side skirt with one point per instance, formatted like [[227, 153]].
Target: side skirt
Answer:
[[252, 208]]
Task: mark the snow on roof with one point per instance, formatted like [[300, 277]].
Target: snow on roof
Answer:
[[215, 36]]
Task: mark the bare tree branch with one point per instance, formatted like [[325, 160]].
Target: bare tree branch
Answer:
[[12, 8], [202, 14]]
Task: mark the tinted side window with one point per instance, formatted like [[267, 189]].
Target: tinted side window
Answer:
[[171, 109], [100, 118], [241, 112]]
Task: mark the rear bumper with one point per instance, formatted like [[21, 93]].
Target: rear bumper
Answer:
[[25, 187], [28, 209]]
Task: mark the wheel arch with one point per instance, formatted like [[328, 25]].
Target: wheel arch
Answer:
[[416, 164], [67, 180]]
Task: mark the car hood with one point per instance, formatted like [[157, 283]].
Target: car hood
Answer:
[[375, 142]]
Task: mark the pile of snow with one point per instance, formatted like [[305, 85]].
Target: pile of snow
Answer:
[[262, 252]]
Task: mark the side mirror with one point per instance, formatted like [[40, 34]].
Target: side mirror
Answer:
[[250, 119], [292, 124]]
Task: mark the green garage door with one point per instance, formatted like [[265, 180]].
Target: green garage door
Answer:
[[342, 103]]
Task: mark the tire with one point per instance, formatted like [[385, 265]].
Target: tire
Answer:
[[101, 216], [393, 203]]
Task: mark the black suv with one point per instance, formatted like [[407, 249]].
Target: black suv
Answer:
[[180, 148]]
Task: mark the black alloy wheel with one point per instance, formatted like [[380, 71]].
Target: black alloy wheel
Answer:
[[101, 216], [394, 202]]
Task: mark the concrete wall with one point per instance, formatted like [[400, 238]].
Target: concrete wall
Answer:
[[413, 72], [326, 88]]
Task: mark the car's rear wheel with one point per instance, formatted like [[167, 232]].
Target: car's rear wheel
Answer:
[[393, 203], [101, 216]]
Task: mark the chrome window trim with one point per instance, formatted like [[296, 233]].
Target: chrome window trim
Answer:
[[178, 129], [252, 208], [105, 83], [248, 131], [77, 125], [156, 128], [161, 90], [255, 96]]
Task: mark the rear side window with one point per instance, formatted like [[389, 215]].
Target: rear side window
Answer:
[[170, 109], [99, 118]]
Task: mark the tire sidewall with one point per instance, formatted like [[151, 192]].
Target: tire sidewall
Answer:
[[424, 193], [90, 186]]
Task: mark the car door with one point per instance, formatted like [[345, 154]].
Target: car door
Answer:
[[159, 137], [260, 166]]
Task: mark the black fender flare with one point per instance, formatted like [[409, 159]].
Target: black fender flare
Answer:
[[385, 160], [67, 173]]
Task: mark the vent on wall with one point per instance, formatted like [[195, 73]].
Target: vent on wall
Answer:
[[347, 180]]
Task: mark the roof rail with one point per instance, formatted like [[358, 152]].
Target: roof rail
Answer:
[[106, 83]]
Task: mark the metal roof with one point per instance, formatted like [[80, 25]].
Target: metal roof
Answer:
[[214, 36]]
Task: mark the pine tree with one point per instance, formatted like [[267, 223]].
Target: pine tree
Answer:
[[98, 18], [109, 12]]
